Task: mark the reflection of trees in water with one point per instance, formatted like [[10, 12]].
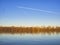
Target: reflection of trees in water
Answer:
[[31, 30]]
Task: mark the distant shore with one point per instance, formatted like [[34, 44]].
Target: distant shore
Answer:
[[29, 29]]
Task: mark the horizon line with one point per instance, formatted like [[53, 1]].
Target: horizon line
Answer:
[[29, 26]]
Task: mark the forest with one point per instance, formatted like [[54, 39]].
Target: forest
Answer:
[[13, 29]]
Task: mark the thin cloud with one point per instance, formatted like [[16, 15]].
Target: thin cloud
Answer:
[[38, 10]]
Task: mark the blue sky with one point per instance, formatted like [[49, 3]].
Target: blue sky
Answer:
[[30, 12]]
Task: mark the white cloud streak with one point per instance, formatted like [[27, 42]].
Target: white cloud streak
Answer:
[[38, 10]]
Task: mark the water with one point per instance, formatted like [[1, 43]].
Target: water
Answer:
[[30, 39]]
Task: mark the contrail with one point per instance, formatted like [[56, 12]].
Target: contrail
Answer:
[[37, 10]]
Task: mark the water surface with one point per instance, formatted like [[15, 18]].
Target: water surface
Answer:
[[30, 39]]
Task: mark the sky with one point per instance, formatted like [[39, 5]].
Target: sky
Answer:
[[29, 12]]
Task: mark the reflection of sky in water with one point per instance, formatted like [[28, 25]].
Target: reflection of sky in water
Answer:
[[29, 39]]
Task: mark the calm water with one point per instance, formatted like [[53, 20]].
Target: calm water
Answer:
[[30, 39]]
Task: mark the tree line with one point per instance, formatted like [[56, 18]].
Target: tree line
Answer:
[[28, 29]]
